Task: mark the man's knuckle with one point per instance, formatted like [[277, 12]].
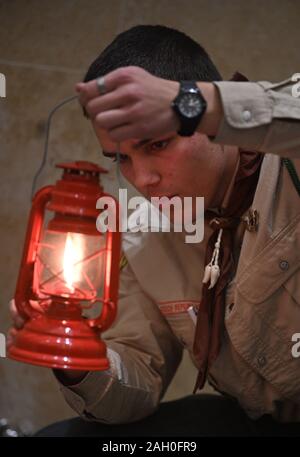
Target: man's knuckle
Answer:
[[132, 92], [129, 74], [136, 71], [124, 75], [131, 71]]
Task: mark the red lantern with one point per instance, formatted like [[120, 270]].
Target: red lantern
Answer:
[[67, 266]]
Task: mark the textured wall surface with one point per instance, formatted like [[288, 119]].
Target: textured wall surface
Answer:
[[45, 48]]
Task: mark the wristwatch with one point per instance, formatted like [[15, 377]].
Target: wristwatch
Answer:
[[189, 105]]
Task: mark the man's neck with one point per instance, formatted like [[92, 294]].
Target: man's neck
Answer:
[[227, 179]]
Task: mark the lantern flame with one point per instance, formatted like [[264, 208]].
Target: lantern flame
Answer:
[[71, 261]]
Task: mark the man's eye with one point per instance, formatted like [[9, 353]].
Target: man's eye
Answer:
[[122, 158], [158, 145]]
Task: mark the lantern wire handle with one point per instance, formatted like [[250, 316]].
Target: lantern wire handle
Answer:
[[44, 158], [45, 154], [119, 176]]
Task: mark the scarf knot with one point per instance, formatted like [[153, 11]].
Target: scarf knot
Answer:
[[224, 222]]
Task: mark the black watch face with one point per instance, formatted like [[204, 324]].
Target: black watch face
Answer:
[[190, 105]]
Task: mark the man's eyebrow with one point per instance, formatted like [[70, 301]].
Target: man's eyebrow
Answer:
[[137, 145], [141, 143]]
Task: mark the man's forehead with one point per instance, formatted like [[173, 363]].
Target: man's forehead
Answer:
[[108, 144]]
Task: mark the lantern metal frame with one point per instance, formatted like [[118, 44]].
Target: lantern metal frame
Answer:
[[55, 333]]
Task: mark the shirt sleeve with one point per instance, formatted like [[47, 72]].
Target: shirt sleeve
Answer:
[[261, 116], [144, 355]]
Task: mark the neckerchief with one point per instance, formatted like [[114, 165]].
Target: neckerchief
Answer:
[[210, 317]]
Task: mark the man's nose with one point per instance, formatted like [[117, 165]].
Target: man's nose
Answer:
[[145, 174]]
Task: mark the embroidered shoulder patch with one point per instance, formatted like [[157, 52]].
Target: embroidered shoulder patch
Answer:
[[180, 306]]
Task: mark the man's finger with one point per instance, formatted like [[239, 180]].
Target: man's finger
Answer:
[[87, 91], [123, 132], [111, 119], [90, 89], [110, 101], [112, 81], [12, 307], [18, 320], [10, 337], [37, 306]]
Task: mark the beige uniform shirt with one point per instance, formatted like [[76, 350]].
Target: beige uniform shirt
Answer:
[[163, 278]]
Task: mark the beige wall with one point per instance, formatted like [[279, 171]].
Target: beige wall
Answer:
[[45, 47]]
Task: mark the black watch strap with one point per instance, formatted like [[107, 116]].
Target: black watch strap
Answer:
[[188, 86], [188, 126]]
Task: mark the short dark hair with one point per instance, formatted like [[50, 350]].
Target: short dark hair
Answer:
[[162, 51]]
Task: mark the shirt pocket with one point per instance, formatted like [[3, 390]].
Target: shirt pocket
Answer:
[[276, 265], [292, 285]]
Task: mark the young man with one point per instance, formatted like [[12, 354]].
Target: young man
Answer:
[[252, 221]]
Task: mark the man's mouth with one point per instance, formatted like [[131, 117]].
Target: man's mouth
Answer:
[[164, 196]]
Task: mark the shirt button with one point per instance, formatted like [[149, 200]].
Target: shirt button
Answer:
[[247, 115], [284, 265], [261, 360]]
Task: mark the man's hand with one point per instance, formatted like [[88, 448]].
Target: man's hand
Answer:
[[137, 105], [65, 376], [18, 323]]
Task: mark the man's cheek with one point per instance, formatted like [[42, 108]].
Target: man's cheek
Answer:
[[125, 172]]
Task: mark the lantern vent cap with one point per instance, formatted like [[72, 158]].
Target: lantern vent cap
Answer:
[[82, 165]]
